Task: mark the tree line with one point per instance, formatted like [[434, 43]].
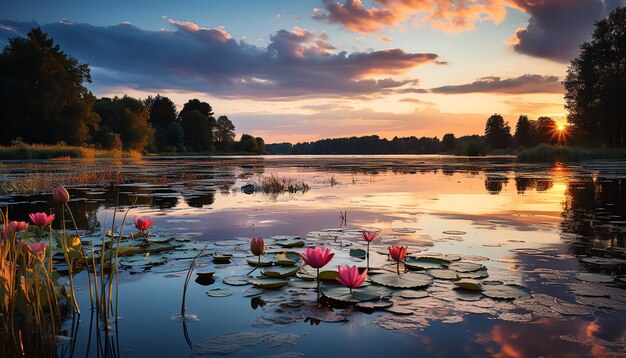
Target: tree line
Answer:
[[44, 101]]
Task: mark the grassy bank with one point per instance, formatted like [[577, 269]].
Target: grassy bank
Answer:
[[545, 153], [42, 151]]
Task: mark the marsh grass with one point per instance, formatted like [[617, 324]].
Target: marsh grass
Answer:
[[276, 185], [22, 151], [545, 153]]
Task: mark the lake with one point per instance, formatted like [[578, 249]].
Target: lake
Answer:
[[553, 236]]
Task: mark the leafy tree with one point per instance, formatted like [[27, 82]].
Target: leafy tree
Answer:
[[546, 130], [525, 132], [498, 132], [247, 143], [596, 82], [448, 142], [260, 145], [176, 136], [162, 113], [198, 141], [42, 95], [128, 117], [224, 133]]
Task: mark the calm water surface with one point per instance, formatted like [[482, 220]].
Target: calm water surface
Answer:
[[535, 224]]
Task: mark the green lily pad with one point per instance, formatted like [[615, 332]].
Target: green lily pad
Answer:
[[124, 251], [219, 292], [310, 274], [469, 284], [506, 292], [304, 284], [269, 283], [155, 248], [465, 266], [286, 259], [205, 274], [254, 261], [594, 277], [373, 305], [442, 274], [408, 280], [425, 263], [358, 253], [236, 280], [290, 243], [144, 261], [221, 259], [411, 294], [474, 275], [280, 271], [368, 293]]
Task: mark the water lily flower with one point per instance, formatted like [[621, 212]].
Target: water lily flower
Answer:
[[317, 258], [18, 226], [60, 195], [369, 236], [349, 276], [143, 223], [398, 253], [37, 248], [258, 248], [41, 219]]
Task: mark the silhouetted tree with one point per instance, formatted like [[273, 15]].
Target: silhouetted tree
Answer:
[[525, 132], [247, 143], [198, 141], [260, 145], [42, 96], [224, 133], [545, 127], [498, 132], [162, 113], [176, 136], [448, 142], [128, 117], [596, 82]]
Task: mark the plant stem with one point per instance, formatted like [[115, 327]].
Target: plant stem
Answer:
[[257, 266], [318, 284], [398, 267], [368, 255]]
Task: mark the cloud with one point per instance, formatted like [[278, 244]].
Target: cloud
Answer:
[[385, 38], [185, 56], [447, 15], [557, 28], [516, 85]]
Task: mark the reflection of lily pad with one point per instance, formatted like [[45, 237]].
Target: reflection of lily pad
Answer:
[[358, 253], [219, 292], [373, 305], [280, 271], [594, 277], [409, 280], [465, 266], [205, 273], [454, 232], [254, 261], [469, 284], [269, 283], [368, 293], [506, 292], [442, 274], [236, 280]]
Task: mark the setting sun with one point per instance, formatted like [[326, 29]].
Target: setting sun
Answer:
[[560, 127]]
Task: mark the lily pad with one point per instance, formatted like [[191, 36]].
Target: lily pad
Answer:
[[373, 305], [424, 263], [236, 280], [254, 261], [469, 284], [409, 280], [442, 274], [280, 271], [506, 292], [219, 292], [474, 275], [358, 253], [269, 283], [368, 293], [454, 232], [287, 259], [465, 266], [399, 310], [411, 294], [290, 243], [594, 277], [205, 273]]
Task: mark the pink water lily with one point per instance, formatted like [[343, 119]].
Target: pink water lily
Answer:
[[317, 257], [257, 246], [37, 248], [18, 226], [41, 219], [143, 223], [398, 253], [369, 236], [349, 276], [60, 195]]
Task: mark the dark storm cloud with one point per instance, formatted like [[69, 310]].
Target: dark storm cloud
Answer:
[[556, 28], [295, 63], [517, 85]]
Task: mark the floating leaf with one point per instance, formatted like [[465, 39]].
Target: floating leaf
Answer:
[[454, 232], [594, 277], [408, 280], [205, 274], [465, 266], [280, 271], [474, 275], [340, 293], [236, 280], [469, 284], [506, 292], [290, 243], [358, 253], [287, 259], [399, 310], [254, 261], [373, 305], [442, 274], [411, 294], [269, 283], [219, 292], [424, 263]]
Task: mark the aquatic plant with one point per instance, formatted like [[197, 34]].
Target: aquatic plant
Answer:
[[397, 253], [257, 247], [142, 224], [369, 236], [41, 219], [349, 276], [317, 258], [60, 195]]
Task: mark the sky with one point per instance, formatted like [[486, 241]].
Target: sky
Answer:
[[303, 70]]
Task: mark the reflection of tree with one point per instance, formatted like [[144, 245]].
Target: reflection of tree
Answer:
[[593, 209], [494, 184], [522, 184]]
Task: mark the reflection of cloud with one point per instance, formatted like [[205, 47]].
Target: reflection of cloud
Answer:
[[295, 63]]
